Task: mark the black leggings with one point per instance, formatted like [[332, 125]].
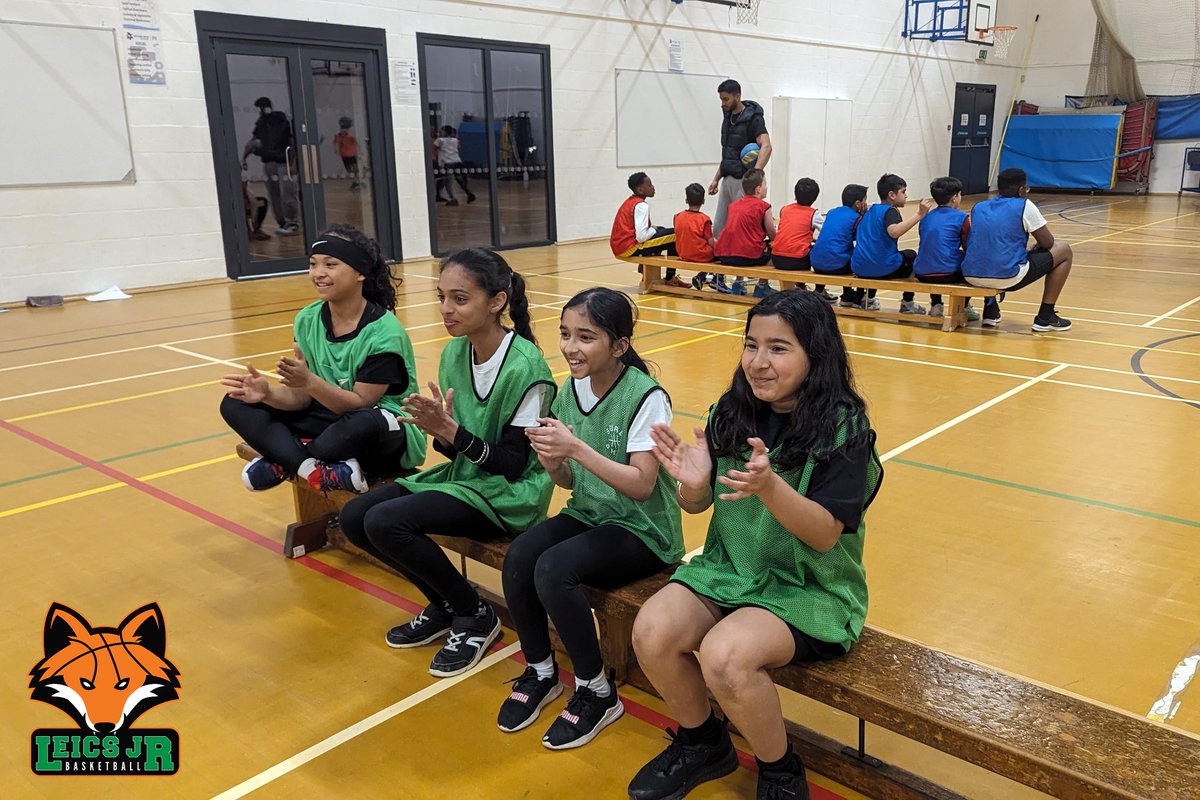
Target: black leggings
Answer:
[[362, 433], [542, 573], [391, 524]]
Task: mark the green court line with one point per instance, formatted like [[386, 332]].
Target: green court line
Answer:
[[111, 459], [1047, 493]]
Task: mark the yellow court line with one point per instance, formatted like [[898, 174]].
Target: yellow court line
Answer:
[[1134, 228], [108, 487], [1157, 244], [113, 400], [12, 512]]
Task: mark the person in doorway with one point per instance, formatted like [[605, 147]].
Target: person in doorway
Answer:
[[346, 145], [450, 163], [274, 143]]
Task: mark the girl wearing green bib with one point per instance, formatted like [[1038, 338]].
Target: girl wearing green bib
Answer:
[[621, 523], [342, 389], [781, 578], [494, 383]]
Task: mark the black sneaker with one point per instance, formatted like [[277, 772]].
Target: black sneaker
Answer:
[[530, 694], [991, 313], [469, 639], [682, 767], [1054, 323], [774, 785], [584, 717], [432, 623]]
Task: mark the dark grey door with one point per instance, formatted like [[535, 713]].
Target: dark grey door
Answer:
[[971, 135]]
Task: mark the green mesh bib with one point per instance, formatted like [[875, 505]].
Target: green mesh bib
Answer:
[[338, 362], [749, 559], [516, 505], [654, 520]]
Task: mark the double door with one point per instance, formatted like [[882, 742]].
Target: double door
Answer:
[[971, 137], [300, 144], [490, 160]]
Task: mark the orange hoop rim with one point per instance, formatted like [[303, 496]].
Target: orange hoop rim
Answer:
[[994, 28]]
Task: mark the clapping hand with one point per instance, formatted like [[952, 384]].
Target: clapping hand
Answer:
[[294, 372], [553, 442], [252, 387], [690, 464], [755, 478], [433, 414]]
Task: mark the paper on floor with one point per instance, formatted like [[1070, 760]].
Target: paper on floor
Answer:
[[111, 293]]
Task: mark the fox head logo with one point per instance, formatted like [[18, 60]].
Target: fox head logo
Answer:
[[104, 678]]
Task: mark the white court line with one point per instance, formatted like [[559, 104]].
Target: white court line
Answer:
[[911, 443], [215, 360], [178, 341], [1161, 317], [1131, 269], [362, 726]]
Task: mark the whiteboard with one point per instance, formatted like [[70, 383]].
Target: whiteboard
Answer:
[[64, 106], [666, 118]]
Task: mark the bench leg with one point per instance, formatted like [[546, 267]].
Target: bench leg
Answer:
[[954, 314], [650, 276], [616, 644], [303, 538]]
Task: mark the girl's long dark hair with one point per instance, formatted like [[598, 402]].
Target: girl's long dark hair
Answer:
[[493, 274], [614, 313], [380, 286], [825, 399]]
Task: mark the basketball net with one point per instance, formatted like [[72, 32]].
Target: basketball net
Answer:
[[1002, 37], [747, 11]]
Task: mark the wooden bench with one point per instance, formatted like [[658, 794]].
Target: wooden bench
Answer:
[[954, 294], [1056, 743], [316, 512]]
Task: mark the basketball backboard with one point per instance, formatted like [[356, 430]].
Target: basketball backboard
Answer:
[[983, 14]]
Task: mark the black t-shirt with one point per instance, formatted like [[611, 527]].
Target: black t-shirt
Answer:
[[381, 368], [838, 484], [892, 217], [274, 132]]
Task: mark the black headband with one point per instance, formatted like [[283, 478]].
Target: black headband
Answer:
[[345, 251]]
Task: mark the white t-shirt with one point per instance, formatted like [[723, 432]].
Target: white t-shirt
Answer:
[[642, 229], [657, 408], [818, 220], [447, 150], [484, 377]]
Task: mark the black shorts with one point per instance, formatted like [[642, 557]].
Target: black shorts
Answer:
[[845, 270], [791, 262], [807, 648], [953, 277], [350, 162], [1041, 262]]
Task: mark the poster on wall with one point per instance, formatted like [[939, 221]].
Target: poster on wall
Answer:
[[143, 42], [405, 90], [674, 55]]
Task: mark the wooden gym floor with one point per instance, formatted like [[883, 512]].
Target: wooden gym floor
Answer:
[[1037, 516]]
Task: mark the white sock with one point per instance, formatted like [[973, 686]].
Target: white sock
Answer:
[[308, 467], [598, 684], [545, 669]]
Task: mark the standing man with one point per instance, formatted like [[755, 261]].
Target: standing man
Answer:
[[743, 124], [274, 143]]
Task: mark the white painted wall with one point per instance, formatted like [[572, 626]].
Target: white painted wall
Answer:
[[164, 228]]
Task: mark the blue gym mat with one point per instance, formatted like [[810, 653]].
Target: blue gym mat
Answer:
[[1064, 151]]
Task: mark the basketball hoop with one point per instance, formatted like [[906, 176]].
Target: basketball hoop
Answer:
[[747, 11], [1002, 37]]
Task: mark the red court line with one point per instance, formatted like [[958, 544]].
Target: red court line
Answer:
[[635, 710], [353, 581]]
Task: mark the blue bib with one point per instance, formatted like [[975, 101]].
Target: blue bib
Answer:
[[996, 247]]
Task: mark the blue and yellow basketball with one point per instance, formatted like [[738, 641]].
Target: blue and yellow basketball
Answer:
[[750, 154]]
